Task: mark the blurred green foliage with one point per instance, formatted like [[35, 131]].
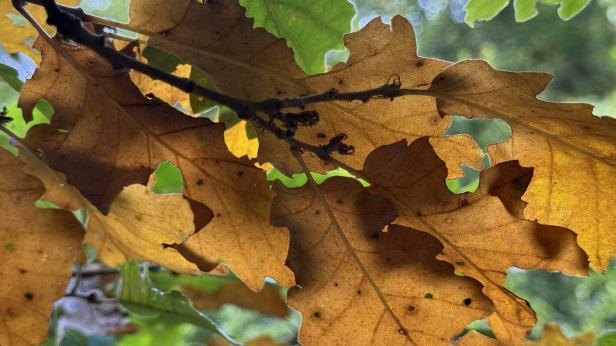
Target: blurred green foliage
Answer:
[[524, 9], [578, 304]]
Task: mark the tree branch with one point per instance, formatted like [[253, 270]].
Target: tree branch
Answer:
[[69, 23]]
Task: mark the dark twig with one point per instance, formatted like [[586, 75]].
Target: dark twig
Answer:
[[69, 23]]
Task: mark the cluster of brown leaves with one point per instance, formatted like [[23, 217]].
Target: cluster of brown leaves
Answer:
[[404, 261]]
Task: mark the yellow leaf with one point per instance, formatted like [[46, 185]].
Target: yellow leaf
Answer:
[[18, 38], [573, 151], [239, 143]]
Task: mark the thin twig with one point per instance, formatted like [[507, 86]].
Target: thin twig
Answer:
[[69, 22]]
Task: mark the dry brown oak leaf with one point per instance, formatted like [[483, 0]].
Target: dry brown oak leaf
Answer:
[[37, 249], [105, 135], [573, 151], [483, 233], [267, 301], [138, 225], [363, 286], [253, 64]]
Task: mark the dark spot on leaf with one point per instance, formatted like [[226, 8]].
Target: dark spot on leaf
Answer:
[[317, 212], [317, 314], [428, 295], [467, 301], [460, 263], [441, 78], [56, 70], [341, 82], [336, 284], [376, 235], [240, 173], [463, 203], [418, 213], [586, 127], [402, 331], [218, 214], [410, 308], [339, 201], [199, 182], [10, 312], [29, 295], [22, 271], [321, 135], [419, 64], [358, 291]]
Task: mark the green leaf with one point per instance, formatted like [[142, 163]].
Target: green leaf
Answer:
[[168, 179], [158, 333], [483, 10], [9, 75], [570, 8], [199, 103], [160, 59], [138, 295], [525, 10], [311, 28]]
